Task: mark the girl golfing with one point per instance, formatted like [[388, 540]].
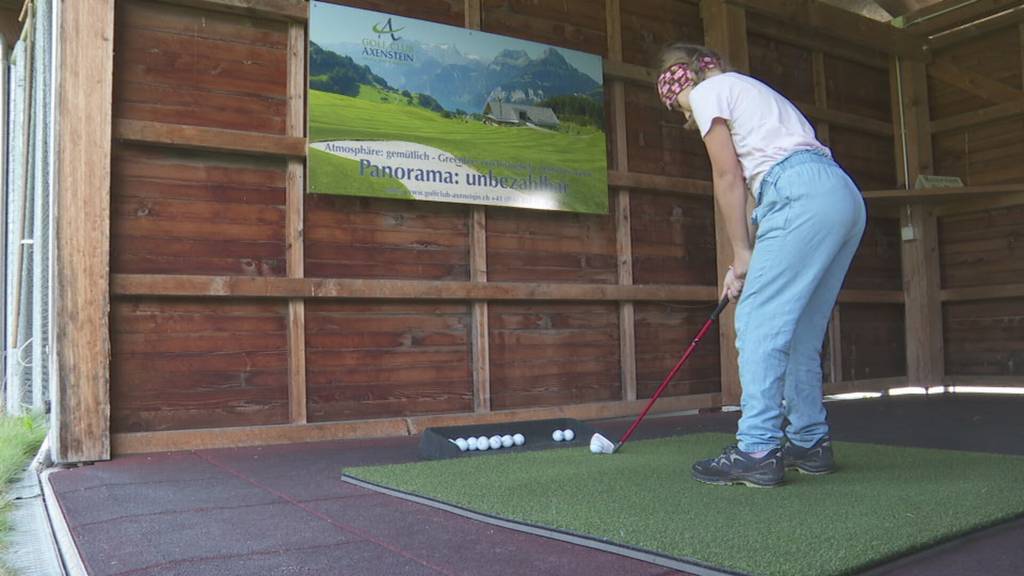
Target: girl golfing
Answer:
[[808, 221]]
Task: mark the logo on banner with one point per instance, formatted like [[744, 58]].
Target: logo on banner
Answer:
[[393, 50]]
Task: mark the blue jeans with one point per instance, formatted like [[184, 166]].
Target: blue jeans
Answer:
[[810, 219]]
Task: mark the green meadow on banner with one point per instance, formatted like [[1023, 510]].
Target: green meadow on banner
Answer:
[[401, 108]]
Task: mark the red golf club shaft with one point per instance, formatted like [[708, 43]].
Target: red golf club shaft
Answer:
[[672, 374]]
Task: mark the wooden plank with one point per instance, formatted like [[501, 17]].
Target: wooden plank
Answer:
[[976, 30], [943, 16], [295, 125], [623, 227], [867, 385], [987, 381], [938, 195], [982, 293], [979, 84], [656, 183], [923, 305], [474, 16], [267, 287], [983, 116], [725, 30], [873, 341], [835, 343], [954, 207], [478, 273], [841, 24], [81, 391], [790, 33], [209, 138], [820, 94], [846, 120], [147, 442], [622, 71], [871, 297], [291, 10]]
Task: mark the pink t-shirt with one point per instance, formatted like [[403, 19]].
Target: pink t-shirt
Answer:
[[765, 126]]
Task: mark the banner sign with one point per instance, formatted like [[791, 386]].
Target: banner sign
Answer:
[[402, 108]]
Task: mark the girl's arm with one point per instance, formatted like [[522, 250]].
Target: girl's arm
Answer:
[[731, 196]]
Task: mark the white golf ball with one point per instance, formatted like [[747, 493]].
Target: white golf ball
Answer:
[[595, 448], [568, 435], [557, 436], [471, 443], [518, 439], [495, 442], [506, 441], [462, 444], [483, 443]]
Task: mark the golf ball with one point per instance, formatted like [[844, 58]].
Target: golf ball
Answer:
[[568, 435], [462, 444], [557, 436], [518, 439], [506, 441], [595, 448], [471, 443], [483, 443], [495, 442]]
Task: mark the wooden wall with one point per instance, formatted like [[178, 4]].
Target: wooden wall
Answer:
[[976, 97], [262, 305]]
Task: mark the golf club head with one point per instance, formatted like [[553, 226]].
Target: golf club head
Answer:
[[601, 445]]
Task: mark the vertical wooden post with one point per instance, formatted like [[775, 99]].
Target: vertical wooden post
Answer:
[[623, 233], [478, 273], [725, 30], [295, 125], [81, 290], [824, 134], [919, 228]]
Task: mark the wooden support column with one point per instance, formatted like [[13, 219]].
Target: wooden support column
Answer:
[[478, 273], [725, 30], [919, 228], [295, 125], [81, 392], [824, 134], [623, 232]]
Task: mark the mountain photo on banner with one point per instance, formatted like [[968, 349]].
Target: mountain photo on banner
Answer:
[[402, 108]]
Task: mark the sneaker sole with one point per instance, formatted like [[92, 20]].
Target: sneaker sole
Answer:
[[811, 472], [748, 483]]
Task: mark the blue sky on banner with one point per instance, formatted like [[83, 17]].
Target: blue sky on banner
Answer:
[[332, 23]]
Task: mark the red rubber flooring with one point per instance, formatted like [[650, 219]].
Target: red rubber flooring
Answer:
[[284, 510]]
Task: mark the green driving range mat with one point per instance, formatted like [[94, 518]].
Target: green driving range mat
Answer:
[[883, 501]]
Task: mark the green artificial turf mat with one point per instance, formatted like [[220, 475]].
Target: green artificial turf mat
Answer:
[[883, 502]]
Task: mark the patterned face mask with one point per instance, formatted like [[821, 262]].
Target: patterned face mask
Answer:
[[679, 77]]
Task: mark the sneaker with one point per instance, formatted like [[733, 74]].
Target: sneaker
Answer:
[[817, 459], [735, 466]]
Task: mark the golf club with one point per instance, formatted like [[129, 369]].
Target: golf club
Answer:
[[601, 445]]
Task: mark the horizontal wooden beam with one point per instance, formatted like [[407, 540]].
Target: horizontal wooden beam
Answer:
[[976, 204], [289, 10], [198, 137], [142, 442], [976, 29], [641, 75], [261, 287], [868, 385], [871, 297], [629, 72], [984, 380], [846, 120], [982, 293], [840, 24], [656, 183], [975, 117], [786, 32], [943, 16], [932, 195], [977, 84]]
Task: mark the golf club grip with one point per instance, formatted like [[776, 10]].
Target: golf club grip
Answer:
[[721, 307], [689, 350]]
